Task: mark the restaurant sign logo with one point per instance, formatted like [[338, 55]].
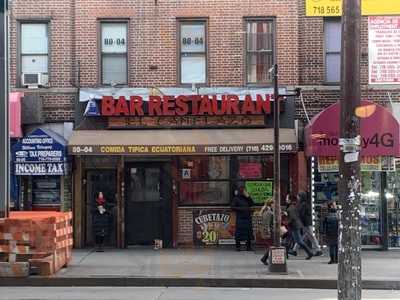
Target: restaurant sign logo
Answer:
[[181, 105]]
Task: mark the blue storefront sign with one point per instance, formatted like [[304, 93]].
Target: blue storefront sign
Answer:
[[42, 152]]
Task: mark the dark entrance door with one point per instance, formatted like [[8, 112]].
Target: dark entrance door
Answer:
[[101, 181], [148, 205]]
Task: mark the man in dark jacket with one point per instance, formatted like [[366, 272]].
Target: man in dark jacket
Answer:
[[305, 214], [331, 229], [295, 226], [242, 204]]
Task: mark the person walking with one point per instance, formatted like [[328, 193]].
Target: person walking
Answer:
[[331, 229], [296, 226], [267, 223], [241, 204], [100, 222], [305, 214]]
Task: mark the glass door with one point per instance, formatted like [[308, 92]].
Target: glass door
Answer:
[[393, 207], [371, 216]]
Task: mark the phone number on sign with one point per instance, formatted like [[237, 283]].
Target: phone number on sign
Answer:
[[269, 148], [326, 10]]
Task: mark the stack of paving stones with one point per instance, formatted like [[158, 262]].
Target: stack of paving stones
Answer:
[[35, 241]]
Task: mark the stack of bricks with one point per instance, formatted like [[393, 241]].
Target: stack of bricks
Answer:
[[35, 240]]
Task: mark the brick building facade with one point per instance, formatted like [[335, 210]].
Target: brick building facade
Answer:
[[153, 60]]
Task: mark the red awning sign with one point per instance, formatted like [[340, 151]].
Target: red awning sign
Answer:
[[15, 114], [379, 131]]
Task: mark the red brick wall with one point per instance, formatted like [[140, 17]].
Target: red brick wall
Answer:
[[185, 226], [60, 29], [57, 107], [152, 42], [317, 95], [152, 38]]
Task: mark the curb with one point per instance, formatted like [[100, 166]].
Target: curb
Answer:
[[190, 282]]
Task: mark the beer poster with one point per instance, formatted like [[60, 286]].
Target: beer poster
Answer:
[[213, 226]]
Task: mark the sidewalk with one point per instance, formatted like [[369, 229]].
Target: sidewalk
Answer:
[[211, 267]]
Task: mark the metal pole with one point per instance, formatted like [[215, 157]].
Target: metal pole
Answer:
[[4, 124], [349, 272], [277, 255], [277, 165]]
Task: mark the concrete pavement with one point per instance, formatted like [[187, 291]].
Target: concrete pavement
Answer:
[[129, 293], [210, 267]]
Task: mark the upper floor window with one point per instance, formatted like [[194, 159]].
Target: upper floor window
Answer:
[[259, 50], [34, 48], [333, 37], [114, 60], [192, 52]]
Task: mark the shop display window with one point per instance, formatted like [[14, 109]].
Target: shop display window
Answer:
[[205, 167], [254, 167], [392, 195], [326, 190], [46, 190], [371, 232], [204, 193], [212, 180]]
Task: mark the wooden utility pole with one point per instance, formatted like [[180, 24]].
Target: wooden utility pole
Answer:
[[4, 124], [349, 276]]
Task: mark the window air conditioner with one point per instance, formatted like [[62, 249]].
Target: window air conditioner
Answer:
[[34, 80]]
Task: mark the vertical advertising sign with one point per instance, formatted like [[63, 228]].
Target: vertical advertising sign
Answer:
[[384, 50]]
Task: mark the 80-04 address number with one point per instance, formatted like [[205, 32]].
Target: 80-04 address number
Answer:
[[83, 149]]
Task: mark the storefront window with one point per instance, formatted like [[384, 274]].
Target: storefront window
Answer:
[[371, 233], [393, 206], [326, 190], [204, 180], [212, 180], [204, 193], [46, 191], [205, 168], [254, 167]]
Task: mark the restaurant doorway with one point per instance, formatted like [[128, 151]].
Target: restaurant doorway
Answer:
[[101, 181], [148, 212]]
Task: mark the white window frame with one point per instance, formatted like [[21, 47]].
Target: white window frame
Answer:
[[20, 52], [328, 53], [117, 54], [248, 52], [192, 54]]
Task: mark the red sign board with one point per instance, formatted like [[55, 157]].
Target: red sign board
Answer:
[[184, 105], [250, 170], [379, 132]]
